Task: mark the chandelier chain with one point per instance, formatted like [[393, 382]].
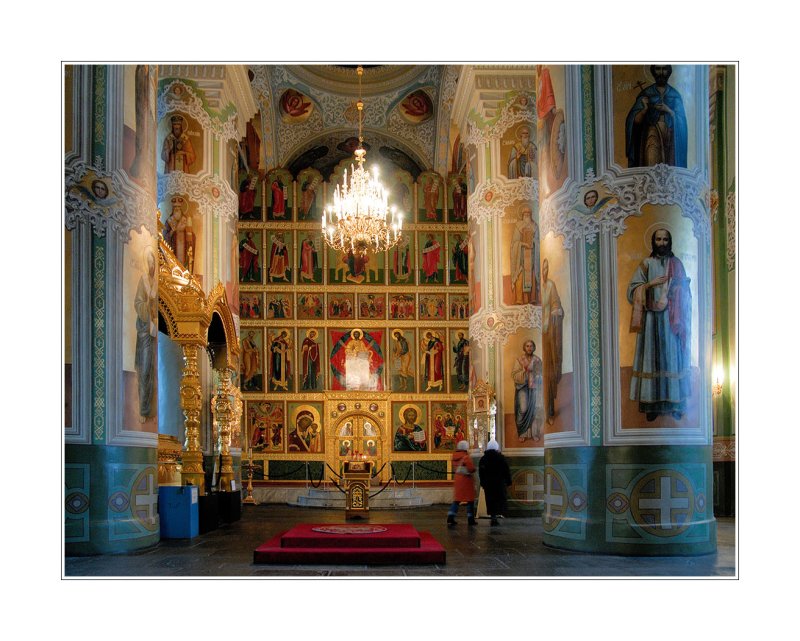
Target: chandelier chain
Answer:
[[360, 107], [357, 221]]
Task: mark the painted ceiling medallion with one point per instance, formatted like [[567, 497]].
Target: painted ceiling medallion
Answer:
[[416, 107], [351, 114], [295, 107]]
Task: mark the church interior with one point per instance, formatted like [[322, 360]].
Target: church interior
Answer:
[[543, 257]]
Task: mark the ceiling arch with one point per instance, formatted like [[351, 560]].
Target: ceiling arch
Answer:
[[328, 149], [342, 79], [328, 94]]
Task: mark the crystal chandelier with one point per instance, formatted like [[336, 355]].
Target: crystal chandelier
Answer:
[[357, 221]]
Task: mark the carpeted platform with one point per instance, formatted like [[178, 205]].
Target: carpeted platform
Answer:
[[346, 543]]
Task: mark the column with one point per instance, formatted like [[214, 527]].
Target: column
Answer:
[[202, 113], [111, 317], [496, 110], [626, 309], [223, 415], [191, 404]]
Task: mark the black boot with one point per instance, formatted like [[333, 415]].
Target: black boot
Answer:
[[471, 521], [451, 520]]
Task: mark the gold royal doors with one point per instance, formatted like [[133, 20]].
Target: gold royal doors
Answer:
[[359, 435]]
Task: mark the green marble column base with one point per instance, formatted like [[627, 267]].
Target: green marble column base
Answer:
[[639, 500], [110, 499], [526, 494]]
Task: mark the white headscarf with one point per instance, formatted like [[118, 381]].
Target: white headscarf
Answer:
[[462, 445], [493, 445]]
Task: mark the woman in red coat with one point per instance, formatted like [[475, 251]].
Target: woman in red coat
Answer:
[[463, 485]]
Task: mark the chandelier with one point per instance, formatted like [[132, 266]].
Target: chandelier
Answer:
[[357, 221]]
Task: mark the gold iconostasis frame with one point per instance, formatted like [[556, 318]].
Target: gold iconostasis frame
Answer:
[[357, 408]]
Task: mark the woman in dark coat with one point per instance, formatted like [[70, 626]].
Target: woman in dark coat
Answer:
[[495, 477]]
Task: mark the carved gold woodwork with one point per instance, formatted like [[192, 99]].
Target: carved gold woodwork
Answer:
[[187, 310], [249, 467], [481, 397], [187, 313], [223, 416], [356, 479], [169, 456], [217, 302], [481, 411], [357, 408], [236, 425], [191, 404], [367, 414], [181, 300], [351, 432]]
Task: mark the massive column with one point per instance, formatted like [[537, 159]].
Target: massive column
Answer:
[[111, 318], [495, 109], [114, 145], [626, 316]]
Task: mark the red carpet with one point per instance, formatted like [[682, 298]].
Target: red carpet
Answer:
[[345, 543]]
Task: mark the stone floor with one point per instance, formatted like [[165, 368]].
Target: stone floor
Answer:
[[514, 549]]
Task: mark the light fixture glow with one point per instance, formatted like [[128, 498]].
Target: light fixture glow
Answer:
[[358, 220], [718, 375]]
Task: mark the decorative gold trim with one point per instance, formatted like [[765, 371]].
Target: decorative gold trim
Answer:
[[217, 302], [322, 396], [481, 397], [191, 403], [282, 456], [724, 449], [181, 300], [238, 410], [169, 456], [188, 314], [284, 225], [222, 413]]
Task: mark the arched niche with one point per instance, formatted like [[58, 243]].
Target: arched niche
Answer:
[[223, 350], [191, 320], [221, 341]]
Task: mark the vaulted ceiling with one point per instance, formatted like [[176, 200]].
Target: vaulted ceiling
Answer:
[[313, 117]]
